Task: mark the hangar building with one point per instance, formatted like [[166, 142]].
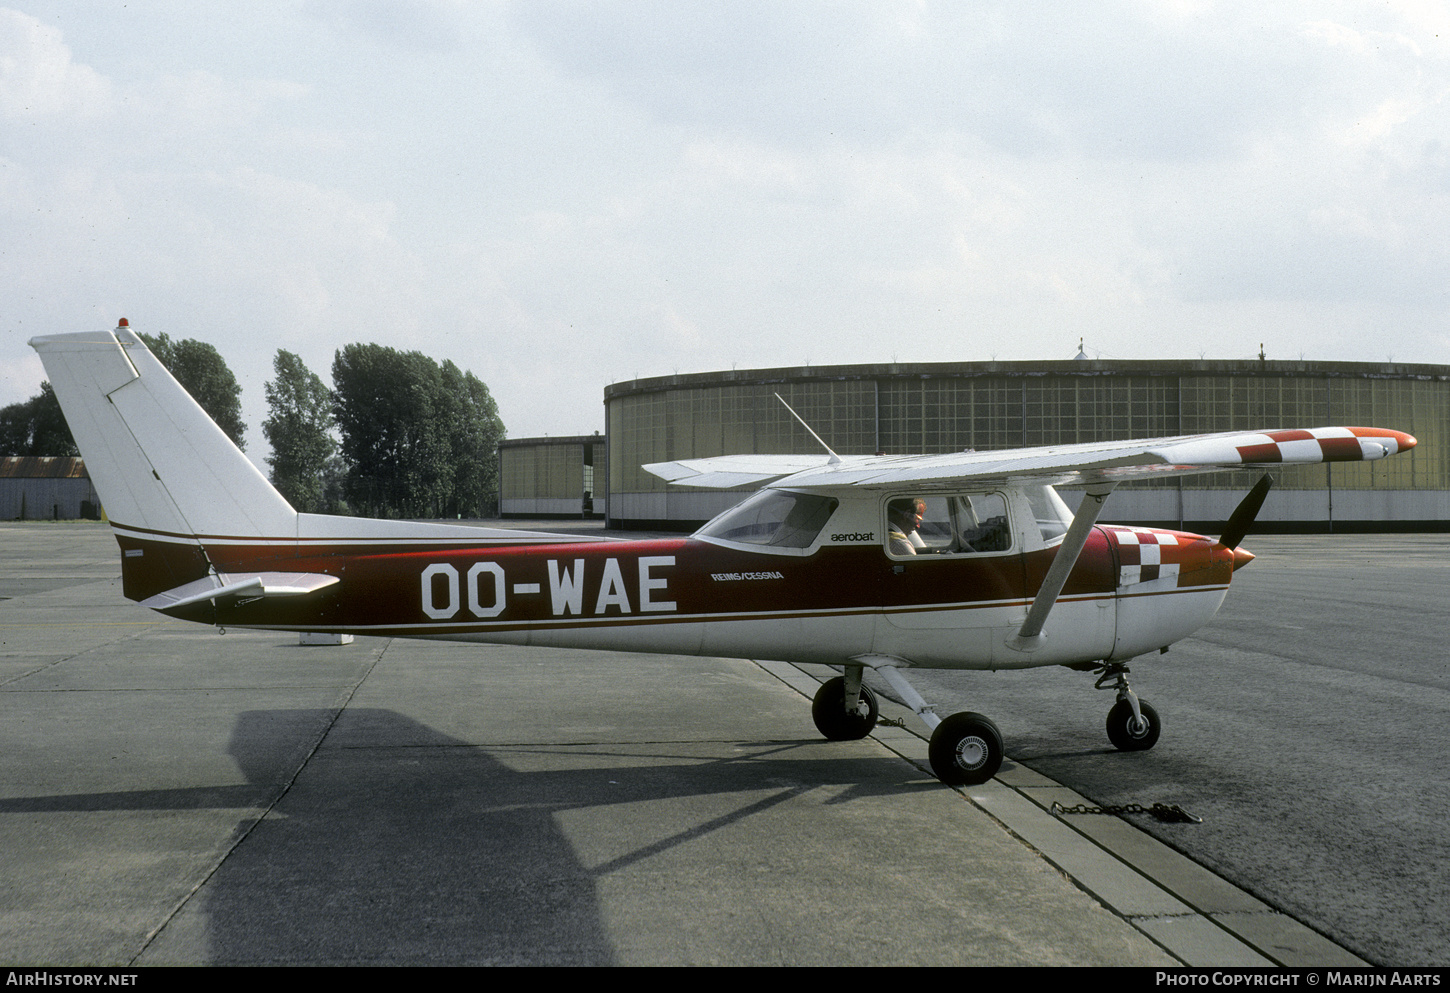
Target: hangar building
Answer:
[[942, 407], [545, 478], [46, 488]]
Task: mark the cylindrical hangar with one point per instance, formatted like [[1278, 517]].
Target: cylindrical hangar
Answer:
[[943, 407]]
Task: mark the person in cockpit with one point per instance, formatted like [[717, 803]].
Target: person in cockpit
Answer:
[[903, 517]]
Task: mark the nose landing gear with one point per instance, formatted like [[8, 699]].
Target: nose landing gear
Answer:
[[1133, 724]]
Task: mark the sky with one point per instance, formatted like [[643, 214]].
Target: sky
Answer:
[[558, 195]]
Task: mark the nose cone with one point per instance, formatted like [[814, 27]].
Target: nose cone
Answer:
[[1242, 557]]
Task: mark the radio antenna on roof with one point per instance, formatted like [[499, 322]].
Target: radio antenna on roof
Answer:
[[834, 457]]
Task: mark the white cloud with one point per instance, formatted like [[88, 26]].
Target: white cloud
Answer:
[[38, 79]]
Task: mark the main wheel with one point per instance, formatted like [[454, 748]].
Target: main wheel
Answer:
[[829, 711], [965, 749], [1127, 734]]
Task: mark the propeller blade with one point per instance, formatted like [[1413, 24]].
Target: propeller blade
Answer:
[[1244, 514]]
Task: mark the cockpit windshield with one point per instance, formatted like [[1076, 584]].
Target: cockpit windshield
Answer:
[[1052, 514], [775, 518]]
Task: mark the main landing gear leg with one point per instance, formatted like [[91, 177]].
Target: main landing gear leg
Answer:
[[844, 709], [965, 749], [1132, 723]]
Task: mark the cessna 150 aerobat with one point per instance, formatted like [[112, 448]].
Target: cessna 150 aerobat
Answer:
[[968, 560]]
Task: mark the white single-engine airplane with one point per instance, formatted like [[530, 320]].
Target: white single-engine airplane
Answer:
[[961, 561]]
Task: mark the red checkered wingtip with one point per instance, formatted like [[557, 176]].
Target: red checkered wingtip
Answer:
[[1337, 444], [1403, 442]]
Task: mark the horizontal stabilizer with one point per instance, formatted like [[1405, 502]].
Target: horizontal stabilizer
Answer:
[[263, 584]]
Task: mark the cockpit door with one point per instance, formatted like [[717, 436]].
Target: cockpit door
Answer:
[[952, 576]]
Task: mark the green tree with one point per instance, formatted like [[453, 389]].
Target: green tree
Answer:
[[474, 431], [384, 401], [300, 433], [36, 427], [203, 373], [417, 439]]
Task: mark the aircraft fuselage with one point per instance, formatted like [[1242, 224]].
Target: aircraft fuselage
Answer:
[[1132, 591]]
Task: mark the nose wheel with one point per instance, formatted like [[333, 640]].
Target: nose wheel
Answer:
[[1132, 723], [1131, 732]]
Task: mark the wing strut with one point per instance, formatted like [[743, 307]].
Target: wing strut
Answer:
[[1031, 636]]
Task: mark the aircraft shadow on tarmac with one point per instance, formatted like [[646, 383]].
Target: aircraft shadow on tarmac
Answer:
[[398, 844]]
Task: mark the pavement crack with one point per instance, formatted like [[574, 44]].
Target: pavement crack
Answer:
[[242, 836]]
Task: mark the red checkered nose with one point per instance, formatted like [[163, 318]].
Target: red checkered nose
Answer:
[[1153, 559]]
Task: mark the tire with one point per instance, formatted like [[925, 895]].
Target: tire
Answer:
[[965, 750], [828, 710], [1124, 735]]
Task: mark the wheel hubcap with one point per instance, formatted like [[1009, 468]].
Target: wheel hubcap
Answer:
[[971, 752]]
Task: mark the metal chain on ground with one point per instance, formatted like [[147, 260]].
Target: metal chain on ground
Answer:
[[1169, 813]]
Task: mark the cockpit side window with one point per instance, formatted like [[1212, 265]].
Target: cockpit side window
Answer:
[[774, 518], [947, 525]]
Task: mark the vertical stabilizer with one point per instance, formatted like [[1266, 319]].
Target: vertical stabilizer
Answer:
[[163, 469]]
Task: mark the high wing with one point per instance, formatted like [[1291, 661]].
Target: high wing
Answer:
[[1062, 465]]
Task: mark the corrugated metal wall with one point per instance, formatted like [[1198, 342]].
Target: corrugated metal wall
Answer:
[[35, 489]]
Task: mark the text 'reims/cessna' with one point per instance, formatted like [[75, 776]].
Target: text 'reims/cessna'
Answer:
[[962, 561]]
